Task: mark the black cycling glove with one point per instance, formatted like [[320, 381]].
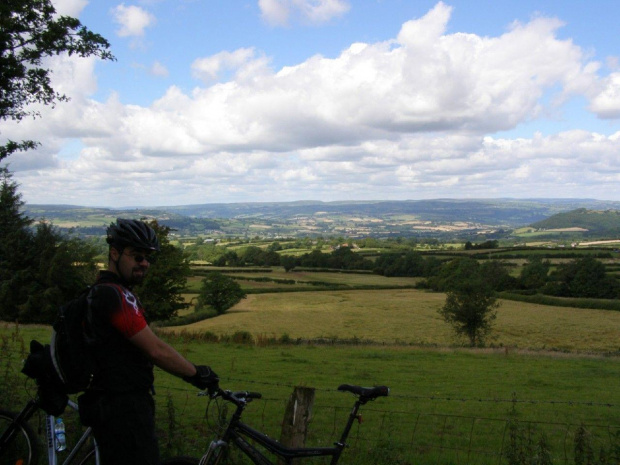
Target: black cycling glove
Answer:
[[205, 378]]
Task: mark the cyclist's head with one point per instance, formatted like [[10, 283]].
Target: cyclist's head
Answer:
[[132, 233]]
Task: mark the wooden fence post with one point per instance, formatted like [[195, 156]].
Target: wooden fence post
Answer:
[[297, 417]]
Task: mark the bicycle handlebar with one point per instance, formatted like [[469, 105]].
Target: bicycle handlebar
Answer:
[[365, 394], [236, 397]]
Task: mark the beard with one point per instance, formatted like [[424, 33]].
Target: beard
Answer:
[[137, 275]]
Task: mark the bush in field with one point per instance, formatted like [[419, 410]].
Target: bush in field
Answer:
[[219, 292], [470, 309]]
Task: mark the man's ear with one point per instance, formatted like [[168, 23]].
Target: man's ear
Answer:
[[114, 254]]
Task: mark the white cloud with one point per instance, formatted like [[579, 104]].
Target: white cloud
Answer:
[[69, 7], [275, 12], [606, 104], [411, 117], [210, 68], [279, 12], [158, 69], [133, 20]]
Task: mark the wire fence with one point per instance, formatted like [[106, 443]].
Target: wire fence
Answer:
[[406, 435]]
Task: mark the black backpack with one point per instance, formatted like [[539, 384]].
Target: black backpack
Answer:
[[72, 344], [66, 365]]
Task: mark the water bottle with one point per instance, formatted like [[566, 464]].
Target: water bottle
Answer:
[[59, 434]]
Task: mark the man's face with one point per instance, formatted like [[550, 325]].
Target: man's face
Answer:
[[133, 264]]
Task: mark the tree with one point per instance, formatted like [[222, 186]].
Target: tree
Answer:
[[496, 274], [161, 291], [471, 310], [583, 277], [288, 262], [535, 273], [220, 292], [59, 267], [39, 269], [30, 31], [455, 272]]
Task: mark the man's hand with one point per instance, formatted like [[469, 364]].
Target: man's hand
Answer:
[[205, 378]]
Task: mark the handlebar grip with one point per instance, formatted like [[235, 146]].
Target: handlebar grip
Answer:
[[247, 395]]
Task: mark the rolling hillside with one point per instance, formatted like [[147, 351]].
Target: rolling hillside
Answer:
[[594, 221]]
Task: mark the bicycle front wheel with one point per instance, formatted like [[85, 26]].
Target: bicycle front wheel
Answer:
[[22, 448]]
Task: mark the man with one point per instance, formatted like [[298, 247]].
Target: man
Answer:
[[118, 404]]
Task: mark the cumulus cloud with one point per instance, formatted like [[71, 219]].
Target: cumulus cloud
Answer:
[[132, 20], [279, 12], [70, 7], [606, 103], [411, 117], [158, 69], [210, 68]]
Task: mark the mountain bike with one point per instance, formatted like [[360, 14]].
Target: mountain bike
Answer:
[[238, 433], [19, 445]]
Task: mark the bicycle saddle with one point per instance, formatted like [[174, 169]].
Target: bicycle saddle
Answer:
[[368, 393]]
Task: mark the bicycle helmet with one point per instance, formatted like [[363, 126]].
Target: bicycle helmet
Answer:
[[132, 233]]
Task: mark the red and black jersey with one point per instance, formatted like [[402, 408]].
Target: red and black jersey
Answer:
[[117, 316]]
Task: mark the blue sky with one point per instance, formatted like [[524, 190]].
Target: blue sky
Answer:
[[277, 100]]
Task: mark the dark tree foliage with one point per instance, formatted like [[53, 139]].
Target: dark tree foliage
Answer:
[[230, 258], [39, 269], [583, 277], [493, 244], [258, 257], [535, 273], [471, 309], [288, 262], [343, 258], [161, 291], [410, 264], [30, 31], [453, 273], [60, 267], [497, 275], [219, 292]]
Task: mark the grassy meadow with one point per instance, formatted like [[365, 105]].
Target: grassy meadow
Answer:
[[409, 316]]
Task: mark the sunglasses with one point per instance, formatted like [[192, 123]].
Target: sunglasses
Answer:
[[139, 258]]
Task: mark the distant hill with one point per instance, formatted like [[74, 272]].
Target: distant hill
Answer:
[[594, 221], [381, 218]]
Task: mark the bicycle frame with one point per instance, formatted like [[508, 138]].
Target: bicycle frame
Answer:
[[52, 455], [237, 431], [27, 412]]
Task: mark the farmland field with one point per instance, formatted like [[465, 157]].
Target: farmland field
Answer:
[[410, 316]]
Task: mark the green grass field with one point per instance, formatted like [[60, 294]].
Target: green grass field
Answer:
[[445, 404]]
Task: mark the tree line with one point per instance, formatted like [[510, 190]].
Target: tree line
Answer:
[[584, 276], [41, 268]]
